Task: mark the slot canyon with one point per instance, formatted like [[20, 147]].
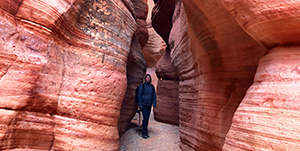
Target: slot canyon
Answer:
[[227, 72]]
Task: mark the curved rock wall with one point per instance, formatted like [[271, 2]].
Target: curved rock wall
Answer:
[[167, 109], [136, 66], [155, 46], [266, 118], [63, 73], [269, 22], [66, 65], [167, 102], [216, 61], [167, 96], [224, 59], [136, 69]]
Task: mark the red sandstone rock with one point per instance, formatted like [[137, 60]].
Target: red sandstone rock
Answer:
[[63, 73], [167, 109], [142, 32], [269, 22], [6, 60], [163, 12], [155, 46], [216, 61], [136, 70], [225, 59], [29, 130], [164, 68], [267, 117], [136, 67], [33, 80], [167, 103]]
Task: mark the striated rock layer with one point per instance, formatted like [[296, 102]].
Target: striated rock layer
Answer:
[[269, 22], [216, 61], [216, 47], [267, 117], [167, 99], [167, 109], [155, 46], [63, 73], [136, 67], [224, 61]]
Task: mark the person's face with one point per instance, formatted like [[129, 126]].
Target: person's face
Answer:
[[148, 79]]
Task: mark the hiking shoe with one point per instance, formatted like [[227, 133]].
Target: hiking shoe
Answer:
[[144, 136]]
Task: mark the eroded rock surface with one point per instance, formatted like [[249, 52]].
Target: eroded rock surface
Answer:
[[155, 46], [136, 66], [167, 109], [216, 61], [67, 66], [63, 73], [269, 22], [167, 100], [265, 119], [136, 70]]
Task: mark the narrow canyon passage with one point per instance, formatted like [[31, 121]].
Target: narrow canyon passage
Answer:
[[228, 73], [162, 137]]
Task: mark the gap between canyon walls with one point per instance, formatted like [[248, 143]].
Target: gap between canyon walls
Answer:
[[54, 57]]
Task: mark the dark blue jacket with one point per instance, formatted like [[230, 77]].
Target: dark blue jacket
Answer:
[[146, 95]]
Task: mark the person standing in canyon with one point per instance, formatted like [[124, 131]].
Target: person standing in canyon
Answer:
[[146, 97]]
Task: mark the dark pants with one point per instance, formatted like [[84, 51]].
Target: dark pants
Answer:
[[146, 113]]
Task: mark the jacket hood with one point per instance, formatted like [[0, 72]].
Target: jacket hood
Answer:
[[145, 82]]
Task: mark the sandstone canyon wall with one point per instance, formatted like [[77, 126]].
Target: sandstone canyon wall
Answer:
[[267, 118], [144, 54], [167, 109], [238, 68], [68, 70], [216, 61], [167, 100], [63, 72], [136, 66], [155, 46]]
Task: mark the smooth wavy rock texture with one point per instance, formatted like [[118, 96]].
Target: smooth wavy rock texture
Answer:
[[155, 47], [167, 109], [223, 60], [267, 118], [216, 61], [167, 101], [136, 66], [269, 22], [136, 69], [63, 72]]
